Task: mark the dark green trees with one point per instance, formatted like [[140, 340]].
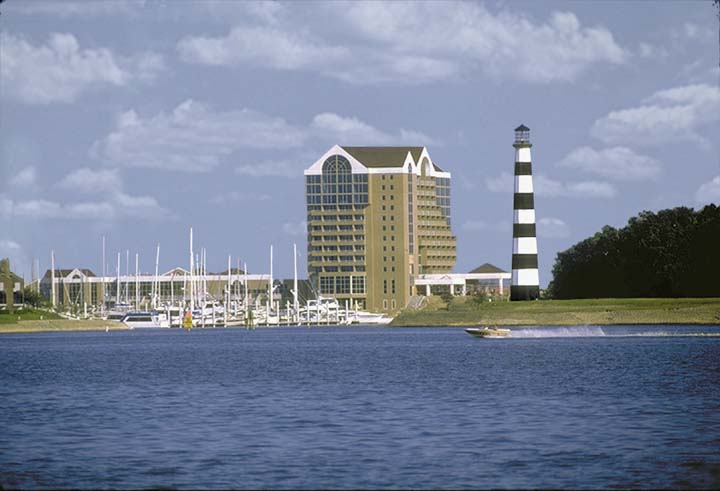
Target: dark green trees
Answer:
[[672, 253]]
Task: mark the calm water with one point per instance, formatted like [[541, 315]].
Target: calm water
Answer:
[[361, 408]]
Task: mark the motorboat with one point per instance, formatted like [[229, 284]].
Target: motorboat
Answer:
[[487, 332], [368, 318], [145, 319]]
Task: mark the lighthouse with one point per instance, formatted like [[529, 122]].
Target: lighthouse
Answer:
[[525, 279]]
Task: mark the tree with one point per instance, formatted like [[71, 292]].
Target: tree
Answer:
[[671, 253]]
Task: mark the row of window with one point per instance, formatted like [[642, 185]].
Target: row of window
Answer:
[[343, 285], [336, 238], [331, 199], [360, 268], [334, 218], [332, 248], [336, 207], [334, 259], [335, 228]]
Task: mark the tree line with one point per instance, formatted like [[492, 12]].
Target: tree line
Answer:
[[671, 253]]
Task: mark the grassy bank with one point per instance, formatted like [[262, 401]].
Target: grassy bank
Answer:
[[32, 320], [464, 311], [26, 314]]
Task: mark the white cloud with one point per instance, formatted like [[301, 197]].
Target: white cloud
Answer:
[[19, 261], [87, 180], [291, 228], [476, 225], [61, 70], [265, 46], [197, 138], [116, 205], [694, 31], [193, 138], [271, 168], [646, 50], [500, 184], [25, 177], [668, 115], [506, 45], [552, 228], [343, 129], [411, 42], [618, 163], [709, 192], [237, 196], [39, 208], [68, 8], [546, 186]]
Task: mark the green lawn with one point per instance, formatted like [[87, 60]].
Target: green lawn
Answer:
[[465, 311], [26, 314]]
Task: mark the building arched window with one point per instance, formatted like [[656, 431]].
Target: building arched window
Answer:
[[339, 186], [336, 165]]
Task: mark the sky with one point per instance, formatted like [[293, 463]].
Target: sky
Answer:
[[136, 120]]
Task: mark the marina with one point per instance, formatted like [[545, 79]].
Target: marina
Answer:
[[163, 300]]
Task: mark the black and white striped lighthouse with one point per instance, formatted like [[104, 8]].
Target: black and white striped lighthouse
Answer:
[[525, 279]]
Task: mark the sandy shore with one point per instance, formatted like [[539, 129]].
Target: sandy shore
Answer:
[[61, 325]]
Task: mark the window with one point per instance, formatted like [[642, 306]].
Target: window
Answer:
[[393, 304], [327, 284], [385, 287], [393, 288], [385, 304], [342, 284], [358, 284]]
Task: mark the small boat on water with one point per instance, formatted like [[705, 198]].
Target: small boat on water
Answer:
[[145, 319], [487, 332]]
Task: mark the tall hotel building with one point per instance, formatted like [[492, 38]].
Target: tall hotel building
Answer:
[[376, 218]]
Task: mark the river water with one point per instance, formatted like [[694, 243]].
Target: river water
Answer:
[[582, 407]]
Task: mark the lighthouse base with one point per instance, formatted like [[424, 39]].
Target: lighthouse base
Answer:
[[519, 293]]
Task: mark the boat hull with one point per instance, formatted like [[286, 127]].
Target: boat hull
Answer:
[[487, 332]]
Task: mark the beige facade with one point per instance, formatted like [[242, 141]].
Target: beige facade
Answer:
[[377, 217]]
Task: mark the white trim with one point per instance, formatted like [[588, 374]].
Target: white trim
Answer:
[[409, 165], [316, 168], [525, 277], [522, 154], [524, 245], [524, 216], [523, 184]]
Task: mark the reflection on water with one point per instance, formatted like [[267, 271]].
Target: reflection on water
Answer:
[[361, 408]]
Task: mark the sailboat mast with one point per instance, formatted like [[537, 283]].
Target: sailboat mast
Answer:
[[137, 281], [296, 305], [247, 293], [52, 277], [157, 280], [117, 290], [192, 266], [127, 276], [103, 274], [270, 285]]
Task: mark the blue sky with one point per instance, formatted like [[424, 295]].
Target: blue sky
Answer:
[[137, 120]]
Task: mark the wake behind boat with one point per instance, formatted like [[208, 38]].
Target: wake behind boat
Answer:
[[487, 332]]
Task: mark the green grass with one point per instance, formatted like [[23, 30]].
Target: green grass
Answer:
[[26, 314], [464, 311]]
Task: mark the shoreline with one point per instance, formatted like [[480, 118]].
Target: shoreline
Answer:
[[464, 312]]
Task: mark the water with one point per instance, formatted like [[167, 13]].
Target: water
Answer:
[[361, 408]]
